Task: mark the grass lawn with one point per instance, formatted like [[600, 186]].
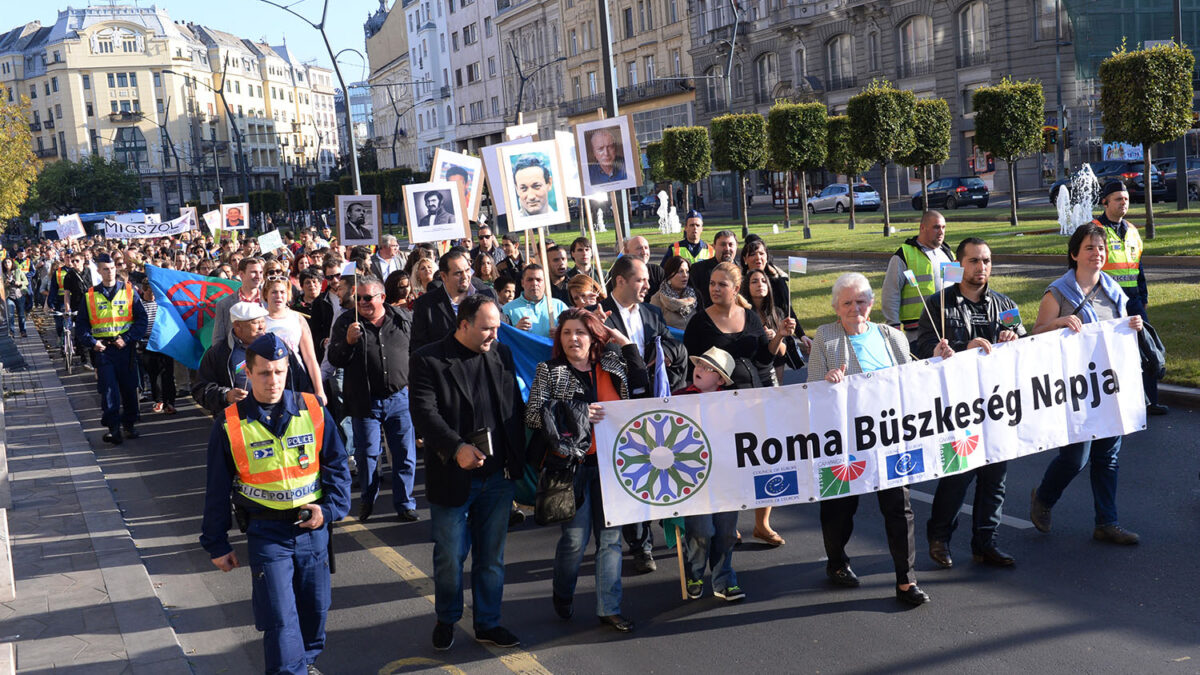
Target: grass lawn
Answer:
[[1179, 235], [1173, 313]]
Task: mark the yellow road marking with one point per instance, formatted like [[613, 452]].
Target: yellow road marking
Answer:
[[517, 660]]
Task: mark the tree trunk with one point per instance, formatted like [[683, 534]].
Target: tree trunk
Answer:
[[1150, 194], [1012, 192], [887, 211], [924, 189], [787, 198], [850, 180], [745, 208], [804, 191]]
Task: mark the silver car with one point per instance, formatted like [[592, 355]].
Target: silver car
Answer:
[[836, 197]]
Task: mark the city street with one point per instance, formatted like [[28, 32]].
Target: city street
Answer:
[[1070, 605]]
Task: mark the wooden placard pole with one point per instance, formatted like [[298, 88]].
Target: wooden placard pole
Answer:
[[679, 556], [546, 282], [616, 217]]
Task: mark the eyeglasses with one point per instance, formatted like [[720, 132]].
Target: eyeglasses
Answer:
[[366, 298], [276, 276], [485, 236]]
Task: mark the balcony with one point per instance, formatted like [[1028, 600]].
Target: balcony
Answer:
[[914, 68], [124, 116], [841, 82], [49, 124], [974, 56], [46, 153], [583, 105], [35, 126], [649, 90], [445, 92]]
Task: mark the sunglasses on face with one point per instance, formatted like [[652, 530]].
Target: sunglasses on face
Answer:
[[366, 298]]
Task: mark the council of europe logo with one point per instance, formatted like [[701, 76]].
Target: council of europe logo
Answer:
[[905, 464], [661, 457], [775, 485]]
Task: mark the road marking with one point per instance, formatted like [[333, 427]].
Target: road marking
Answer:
[[400, 664], [517, 660], [967, 510]]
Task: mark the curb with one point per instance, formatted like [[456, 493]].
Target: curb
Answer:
[[1184, 397]]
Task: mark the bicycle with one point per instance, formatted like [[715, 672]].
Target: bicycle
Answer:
[[68, 339]]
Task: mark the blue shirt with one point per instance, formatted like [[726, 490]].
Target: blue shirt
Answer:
[[520, 308], [335, 474], [871, 350]]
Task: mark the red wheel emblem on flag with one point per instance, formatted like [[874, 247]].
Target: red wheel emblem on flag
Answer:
[[197, 300], [966, 446]]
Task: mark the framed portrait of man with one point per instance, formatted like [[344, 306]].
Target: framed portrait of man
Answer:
[[435, 212], [533, 185], [608, 155], [235, 216], [463, 170], [491, 167], [358, 219]]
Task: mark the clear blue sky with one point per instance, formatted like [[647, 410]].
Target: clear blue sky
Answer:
[[251, 19]]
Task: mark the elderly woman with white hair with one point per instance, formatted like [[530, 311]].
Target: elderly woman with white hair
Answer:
[[854, 344]]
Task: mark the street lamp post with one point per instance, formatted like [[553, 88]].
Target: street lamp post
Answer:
[[243, 180], [523, 77]]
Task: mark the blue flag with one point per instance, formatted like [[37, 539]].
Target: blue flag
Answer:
[[528, 350], [186, 312], [662, 385]]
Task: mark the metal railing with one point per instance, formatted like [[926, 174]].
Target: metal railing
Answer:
[[914, 68], [648, 90], [972, 57], [44, 153], [841, 82]]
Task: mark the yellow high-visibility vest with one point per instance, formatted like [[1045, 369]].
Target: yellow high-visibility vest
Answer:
[[278, 472]]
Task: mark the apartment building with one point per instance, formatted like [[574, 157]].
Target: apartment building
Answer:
[[392, 94], [476, 54]]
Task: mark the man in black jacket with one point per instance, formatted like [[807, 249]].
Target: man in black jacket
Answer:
[[976, 317], [371, 345], [725, 248], [468, 409], [433, 313]]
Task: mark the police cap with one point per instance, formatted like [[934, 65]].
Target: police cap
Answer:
[[1111, 187], [269, 347]]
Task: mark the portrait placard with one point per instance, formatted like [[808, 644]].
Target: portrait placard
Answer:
[[435, 212], [358, 220], [608, 155], [464, 170], [533, 185]]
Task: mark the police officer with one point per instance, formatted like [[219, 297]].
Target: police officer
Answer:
[[692, 247], [111, 322], [924, 255], [279, 454], [1124, 264]]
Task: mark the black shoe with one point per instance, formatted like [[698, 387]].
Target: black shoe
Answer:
[[563, 607], [845, 577], [939, 552], [443, 636], [913, 596], [1039, 513], [114, 437], [994, 557], [364, 512], [515, 518], [620, 623], [499, 636], [130, 432], [643, 562], [1152, 409], [1115, 534], [409, 516], [312, 670]]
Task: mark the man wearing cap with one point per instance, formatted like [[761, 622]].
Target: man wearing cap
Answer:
[[692, 247], [222, 379], [924, 255], [278, 454], [1124, 265], [112, 320]]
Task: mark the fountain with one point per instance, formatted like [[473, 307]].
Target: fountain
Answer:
[[1076, 199]]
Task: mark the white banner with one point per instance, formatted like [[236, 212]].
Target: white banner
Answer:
[[150, 228], [729, 451], [70, 227]]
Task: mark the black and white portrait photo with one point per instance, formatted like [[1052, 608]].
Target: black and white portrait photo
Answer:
[[358, 219], [435, 211]]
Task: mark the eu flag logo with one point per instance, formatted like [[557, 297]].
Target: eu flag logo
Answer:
[[905, 464], [775, 485]]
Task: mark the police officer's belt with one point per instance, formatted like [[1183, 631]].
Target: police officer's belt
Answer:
[[289, 515]]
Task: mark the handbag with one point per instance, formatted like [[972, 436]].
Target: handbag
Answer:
[[1154, 354], [555, 501], [566, 433]]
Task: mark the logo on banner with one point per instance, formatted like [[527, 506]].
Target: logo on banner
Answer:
[[773, 485], [662, 457], [905, 464], [835, 480], [955, 454]]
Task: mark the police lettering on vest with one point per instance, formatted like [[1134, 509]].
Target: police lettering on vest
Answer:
[[278, 472], [110, 318]]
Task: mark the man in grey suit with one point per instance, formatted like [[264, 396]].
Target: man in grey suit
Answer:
[[388, 258], [250, 273]]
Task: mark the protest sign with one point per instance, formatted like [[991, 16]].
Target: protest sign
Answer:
[[212, 220], [70, 227], [116, 229], [270, 241], [735, 450]]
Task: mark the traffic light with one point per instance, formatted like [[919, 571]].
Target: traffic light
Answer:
[[1070, 138], [1049, 138]]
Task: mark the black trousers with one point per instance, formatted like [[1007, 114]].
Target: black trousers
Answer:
[[160, 368], [837, 524], [985, 513], [639, 536]]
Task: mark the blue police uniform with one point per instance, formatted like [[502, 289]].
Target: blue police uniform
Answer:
[[116, 369], [289, 565]]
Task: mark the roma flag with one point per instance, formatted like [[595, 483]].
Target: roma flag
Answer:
[[186, 312]]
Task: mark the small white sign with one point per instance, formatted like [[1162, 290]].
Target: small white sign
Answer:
[[797, 265], [270, 241]]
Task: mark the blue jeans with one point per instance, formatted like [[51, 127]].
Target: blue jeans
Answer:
[[16, 317], [390, 414], [481, 527], [708, 544], [575, 534], [1070, 462], [985, 515], [289, 575]]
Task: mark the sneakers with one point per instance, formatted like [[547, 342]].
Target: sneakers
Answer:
[[695, 589], [499, 636], [443, 636], [1115, 534], [157, 407], [731, 594], [643, 562], [1039, 513], [169, 409]]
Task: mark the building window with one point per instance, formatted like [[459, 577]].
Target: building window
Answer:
[[576, 88], [739, 84], [133, 79], [46, 86], [631, 73], [112, 83], [125, 107], [591, 78], [972, 34], [88, 107], [473, 72], [487, 26], [454, 41], [495, 105], [572, 42], [648, 63], [839, 56], [470, 34], [491, 66], [57, 111], [715, 98], [237, 86], [122, 80], [766, 75], [672, 11], [33, 91], [641, 6], [628, 14], [57, 56], [1043, 20], [54, 84], [458, 81], [113, 106], [873, 51], [916, 46]]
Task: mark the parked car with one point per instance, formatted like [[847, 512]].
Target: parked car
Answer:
[[951, 193], [836, 197], [1167, 167], [1127, 170]]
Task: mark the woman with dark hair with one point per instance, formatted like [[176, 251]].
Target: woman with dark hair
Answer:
[[397, 290], [485, 268], [1084, 294], [756, 257], [583, 370], [676, 297]]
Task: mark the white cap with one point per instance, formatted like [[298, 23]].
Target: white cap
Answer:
[[247, 311]]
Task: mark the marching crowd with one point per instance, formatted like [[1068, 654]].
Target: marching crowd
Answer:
[[325, 355]]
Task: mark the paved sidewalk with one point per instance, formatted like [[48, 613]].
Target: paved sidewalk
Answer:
[[84, 600]]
